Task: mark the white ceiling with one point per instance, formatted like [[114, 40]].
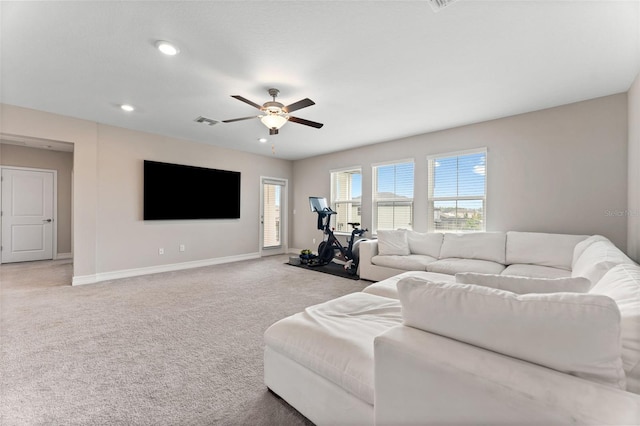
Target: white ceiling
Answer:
[[377, 70]]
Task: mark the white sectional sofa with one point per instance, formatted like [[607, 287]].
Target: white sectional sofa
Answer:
[[528, 254], [473, 345]]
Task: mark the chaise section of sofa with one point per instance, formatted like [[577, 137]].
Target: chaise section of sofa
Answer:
[[321, 360]]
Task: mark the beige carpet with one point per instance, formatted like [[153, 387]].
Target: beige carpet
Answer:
[[180, 348]]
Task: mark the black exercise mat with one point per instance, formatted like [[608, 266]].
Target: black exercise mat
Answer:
[[331, 268]]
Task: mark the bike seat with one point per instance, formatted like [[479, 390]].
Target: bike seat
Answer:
[[354, 224]]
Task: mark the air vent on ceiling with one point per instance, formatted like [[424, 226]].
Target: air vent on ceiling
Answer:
[[437, 5], [206, 120]]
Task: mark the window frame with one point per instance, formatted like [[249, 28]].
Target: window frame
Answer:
[[430, 187], [333, 202], [375, 200]]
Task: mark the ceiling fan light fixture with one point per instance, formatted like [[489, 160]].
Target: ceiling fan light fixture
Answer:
[[167, 48], [274, 114], [273, 121]]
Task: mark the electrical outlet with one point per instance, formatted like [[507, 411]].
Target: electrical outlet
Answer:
[[182, 247], [160, 250], [314, 241]]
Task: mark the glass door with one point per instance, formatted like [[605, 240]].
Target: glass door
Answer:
[[272, 216]]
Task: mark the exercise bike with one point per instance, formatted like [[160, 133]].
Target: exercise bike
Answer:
[[331, 247]]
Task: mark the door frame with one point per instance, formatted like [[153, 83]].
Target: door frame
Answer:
[[284, 218], [55, 203]]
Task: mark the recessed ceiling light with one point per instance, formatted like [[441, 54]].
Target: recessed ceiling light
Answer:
[[262, 140], [127, 108], [167, 48]]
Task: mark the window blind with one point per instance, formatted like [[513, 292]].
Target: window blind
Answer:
[[457, 191], [346, 197], [393, 196]]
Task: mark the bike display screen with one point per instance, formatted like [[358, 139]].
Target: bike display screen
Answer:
[[318, 204]]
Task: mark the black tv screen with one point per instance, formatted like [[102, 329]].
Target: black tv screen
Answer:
[[174, 191]]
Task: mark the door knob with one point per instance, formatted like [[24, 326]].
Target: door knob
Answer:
[[47, 220]]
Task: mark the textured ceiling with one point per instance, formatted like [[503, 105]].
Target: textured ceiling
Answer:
[[377, 70]]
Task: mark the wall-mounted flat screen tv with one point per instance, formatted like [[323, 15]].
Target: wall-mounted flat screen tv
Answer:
[[175, 192]]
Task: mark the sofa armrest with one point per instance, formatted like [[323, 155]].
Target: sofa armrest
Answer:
[[423, 378], [368, 249]]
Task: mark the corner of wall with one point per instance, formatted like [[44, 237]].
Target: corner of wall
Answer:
[[633, 197], [84, 136]]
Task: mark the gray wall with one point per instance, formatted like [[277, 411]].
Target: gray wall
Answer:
[[633, 218], [556, 170], [22, 156], [127, 242], [109, 233], [84, 136]]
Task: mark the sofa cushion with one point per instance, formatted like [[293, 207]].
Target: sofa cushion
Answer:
[[622, 284], [389, 288], [335, 339], [578, 334], [412, 262], [597, 259], [537, 248], [427, 243], [525, 285], [476, 245], [393, 243], [582, 246], [453, 266], [535, 271]]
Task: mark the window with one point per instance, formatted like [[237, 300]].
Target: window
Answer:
[[346, 196], [273, 219], [457, 190], [393, 196]]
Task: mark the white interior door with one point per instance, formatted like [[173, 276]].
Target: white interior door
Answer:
[[27, 215], [273, 216]]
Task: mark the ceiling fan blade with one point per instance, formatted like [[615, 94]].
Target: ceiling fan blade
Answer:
[[247, 101], [306, 122], [239, 119], [306, 102]]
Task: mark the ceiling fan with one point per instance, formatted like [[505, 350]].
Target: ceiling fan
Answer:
[[276, 114]]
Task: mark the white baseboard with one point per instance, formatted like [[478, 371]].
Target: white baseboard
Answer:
[[84, 279], [127, 273], [60, 256]]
